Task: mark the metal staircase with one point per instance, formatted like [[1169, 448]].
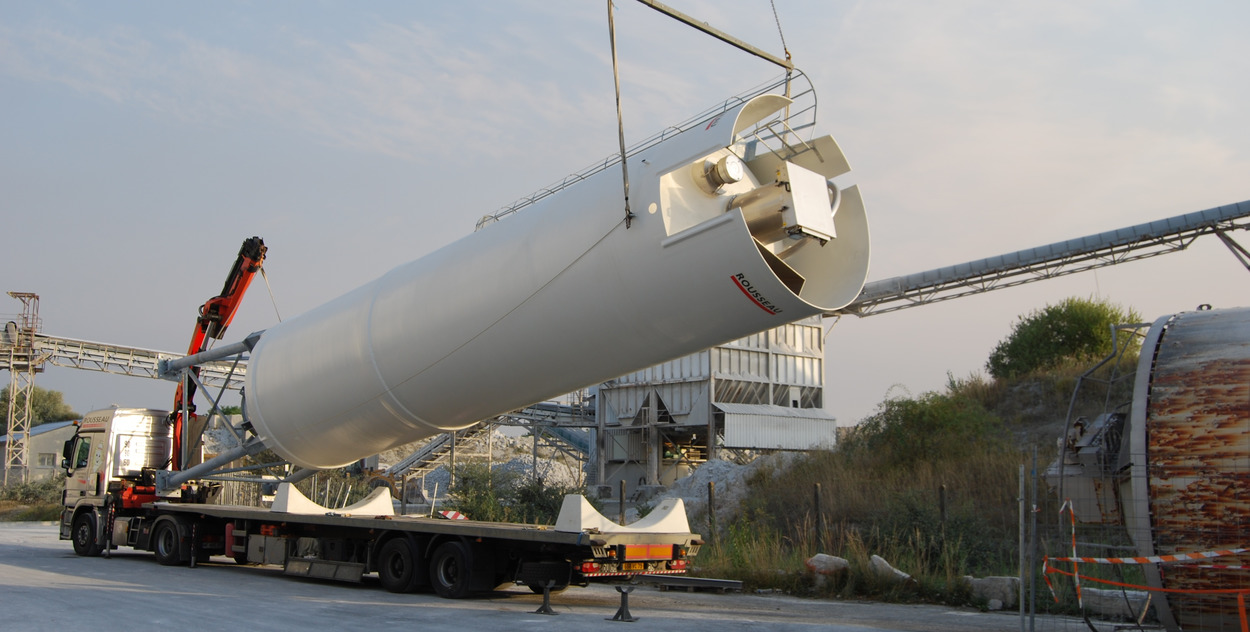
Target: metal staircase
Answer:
[[438, 451]]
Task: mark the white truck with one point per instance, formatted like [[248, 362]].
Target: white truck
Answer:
[[739, 229]]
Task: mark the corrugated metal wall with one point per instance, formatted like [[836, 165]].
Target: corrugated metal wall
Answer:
[[798, 370], [758, 369], [777, 428], [741, 364], [692, 367], [782, 366]]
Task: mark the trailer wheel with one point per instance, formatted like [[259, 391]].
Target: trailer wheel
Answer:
[[451, 570], [399, 568], [84, 535], [167, 544]]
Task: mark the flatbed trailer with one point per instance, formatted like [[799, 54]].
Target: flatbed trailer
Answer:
[[454, 558], [110, 501]]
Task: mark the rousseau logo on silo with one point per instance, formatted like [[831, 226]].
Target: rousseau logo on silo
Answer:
[[743, 284]]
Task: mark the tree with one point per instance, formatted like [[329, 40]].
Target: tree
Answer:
[[932, 427], [45, 406], [1076, 328]]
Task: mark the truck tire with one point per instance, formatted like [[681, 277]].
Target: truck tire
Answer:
[[84, 535], [167, 544], [451, 570], [399, 567]]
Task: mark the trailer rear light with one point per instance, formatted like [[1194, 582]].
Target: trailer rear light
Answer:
[[590, 567], [677, 565]]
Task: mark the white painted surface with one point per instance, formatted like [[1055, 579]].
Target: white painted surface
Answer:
[[547, 301]]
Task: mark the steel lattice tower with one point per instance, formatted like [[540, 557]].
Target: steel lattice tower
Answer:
[[22, 365]]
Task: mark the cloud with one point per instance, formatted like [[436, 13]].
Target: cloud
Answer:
[[411, 91], [981, 125]]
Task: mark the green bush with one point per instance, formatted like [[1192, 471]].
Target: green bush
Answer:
[[505, 496], [47, 490], [1076, 328], [928, 483], [480, 493], [535, 502], [933, 426], [37, 500]]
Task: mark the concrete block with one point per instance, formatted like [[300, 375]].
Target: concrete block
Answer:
[[822, 564], [1005, 590], [883, 569]]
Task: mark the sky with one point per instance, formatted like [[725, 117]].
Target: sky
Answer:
[[143, 141]]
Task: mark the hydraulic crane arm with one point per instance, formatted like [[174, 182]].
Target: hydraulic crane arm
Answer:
[[217, 313], [215, 316]]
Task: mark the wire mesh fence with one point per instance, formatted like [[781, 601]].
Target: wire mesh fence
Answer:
[[1145, 513]]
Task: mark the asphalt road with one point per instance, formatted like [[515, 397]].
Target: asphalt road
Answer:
[[44, 586]]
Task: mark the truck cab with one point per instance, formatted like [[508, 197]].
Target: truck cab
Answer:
[[105, 463]]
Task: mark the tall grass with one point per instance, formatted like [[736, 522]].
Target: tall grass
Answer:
[[930, 483], [893, 512]]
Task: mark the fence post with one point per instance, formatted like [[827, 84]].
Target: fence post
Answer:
[[820, 518], [711, 509], [1033, 545], [1020, 502], [622, 502]]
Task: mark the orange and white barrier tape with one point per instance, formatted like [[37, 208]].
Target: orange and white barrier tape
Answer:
[[1240, 593], [1158, 559]]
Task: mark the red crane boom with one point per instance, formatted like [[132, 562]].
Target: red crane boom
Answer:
[[215, 316]]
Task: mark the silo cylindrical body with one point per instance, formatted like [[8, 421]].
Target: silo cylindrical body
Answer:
[[565, 294]]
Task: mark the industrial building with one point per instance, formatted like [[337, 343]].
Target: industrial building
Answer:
[[44, 446], [762, 392]]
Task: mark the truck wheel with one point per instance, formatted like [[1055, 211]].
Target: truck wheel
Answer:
[[399, 569], [451, 570], [167, 544], [84, 535]]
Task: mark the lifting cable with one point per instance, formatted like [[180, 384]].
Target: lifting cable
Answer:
[[786, 63], [272, 300], [620, 124], [785, 49]]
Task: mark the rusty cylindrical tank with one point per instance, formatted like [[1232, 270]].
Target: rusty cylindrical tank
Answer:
[[1189, 443]]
